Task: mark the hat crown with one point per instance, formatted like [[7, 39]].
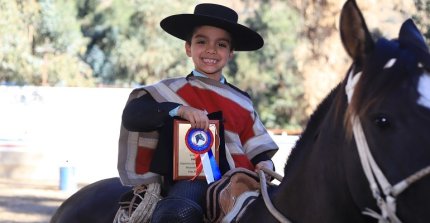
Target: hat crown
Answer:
[[183, 25], [216, 11]]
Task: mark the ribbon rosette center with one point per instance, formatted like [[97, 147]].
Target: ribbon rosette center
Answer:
[[200, 142]]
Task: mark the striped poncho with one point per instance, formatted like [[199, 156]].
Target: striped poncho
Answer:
[[245, 136]]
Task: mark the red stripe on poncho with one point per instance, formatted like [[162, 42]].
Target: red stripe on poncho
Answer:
[[236, 118]]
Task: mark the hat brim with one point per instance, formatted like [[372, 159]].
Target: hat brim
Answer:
[[181, 26]]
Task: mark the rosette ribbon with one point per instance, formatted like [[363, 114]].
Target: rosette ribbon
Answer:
[[200, 142]]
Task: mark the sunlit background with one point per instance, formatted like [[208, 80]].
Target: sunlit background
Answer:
[[44, 128]]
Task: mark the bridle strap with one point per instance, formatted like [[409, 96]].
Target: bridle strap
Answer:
[[373, 173], [404, 184]]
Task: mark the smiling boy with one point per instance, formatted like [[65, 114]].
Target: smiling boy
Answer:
[[211, 35]]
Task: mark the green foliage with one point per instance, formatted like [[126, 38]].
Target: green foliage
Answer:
[[269, 75], [33, 31], [59, 44], [128, 46], [422, 17], [16, 61], [103, 22], [145, 51]]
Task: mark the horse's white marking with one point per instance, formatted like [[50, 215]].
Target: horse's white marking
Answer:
[[424, 90], [390, 63], [420, 65]]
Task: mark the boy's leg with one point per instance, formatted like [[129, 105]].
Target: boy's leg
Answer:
[[183, 203]]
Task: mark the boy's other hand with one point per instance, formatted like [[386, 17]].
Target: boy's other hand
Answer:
[[266, 164], [198, 118]]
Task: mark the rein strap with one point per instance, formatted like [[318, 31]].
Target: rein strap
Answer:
[[272, 209]]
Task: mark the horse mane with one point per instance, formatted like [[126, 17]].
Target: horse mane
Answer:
[[312, 127]]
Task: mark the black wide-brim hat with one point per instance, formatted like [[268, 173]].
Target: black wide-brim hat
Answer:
[[182, 25]]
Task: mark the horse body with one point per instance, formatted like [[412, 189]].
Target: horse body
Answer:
[[94, 203], [324, 179]]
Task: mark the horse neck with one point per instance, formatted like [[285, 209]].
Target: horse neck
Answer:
[[314, 179]]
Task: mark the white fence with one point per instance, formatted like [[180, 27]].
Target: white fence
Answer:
[[44, 128]]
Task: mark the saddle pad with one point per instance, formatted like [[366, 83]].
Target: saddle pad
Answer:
[[231, 192]]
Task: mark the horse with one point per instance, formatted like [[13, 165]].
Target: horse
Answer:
[[364, 155]]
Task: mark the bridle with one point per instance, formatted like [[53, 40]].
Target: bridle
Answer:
[[377, 180], [378, 183]]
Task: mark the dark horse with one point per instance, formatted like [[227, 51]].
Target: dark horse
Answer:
[[325, 180], [94, 203]]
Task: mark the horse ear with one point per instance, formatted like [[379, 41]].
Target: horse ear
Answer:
[[412, 38], [409, 34], [355, 36]]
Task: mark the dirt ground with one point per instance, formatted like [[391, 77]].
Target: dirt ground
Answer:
[[29, 202]]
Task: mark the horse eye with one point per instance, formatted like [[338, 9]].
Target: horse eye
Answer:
[[382, 121]]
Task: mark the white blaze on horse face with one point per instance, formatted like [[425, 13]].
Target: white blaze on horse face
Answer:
[[390, 63], [424, 90]]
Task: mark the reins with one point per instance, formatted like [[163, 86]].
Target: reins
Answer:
[[272, 209], [374, 175]]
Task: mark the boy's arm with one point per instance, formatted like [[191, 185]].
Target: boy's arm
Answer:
[[144, 114], [263, 159]]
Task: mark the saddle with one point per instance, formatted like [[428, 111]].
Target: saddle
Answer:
[[228, 198]]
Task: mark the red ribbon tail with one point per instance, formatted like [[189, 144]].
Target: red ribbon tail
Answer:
[[199, 166]]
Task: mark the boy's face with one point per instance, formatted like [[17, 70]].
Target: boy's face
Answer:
[[210, 50]]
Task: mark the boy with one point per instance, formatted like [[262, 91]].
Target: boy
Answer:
[[211, 35]]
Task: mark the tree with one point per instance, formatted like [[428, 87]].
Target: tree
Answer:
[[269, 75], [17, 63], [155, 54], [59, 42], [422, 17], [33, 32], [127, 44], [102, 22]]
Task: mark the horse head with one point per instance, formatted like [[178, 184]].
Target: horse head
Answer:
[[388, 89], [389, 94]]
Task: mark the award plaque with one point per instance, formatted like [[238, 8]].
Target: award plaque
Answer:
[[192, 147]]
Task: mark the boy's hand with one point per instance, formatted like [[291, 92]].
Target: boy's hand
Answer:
[[196, 117], [267, 164]]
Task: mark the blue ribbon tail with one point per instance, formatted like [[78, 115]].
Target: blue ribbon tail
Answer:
[[215, 169]]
